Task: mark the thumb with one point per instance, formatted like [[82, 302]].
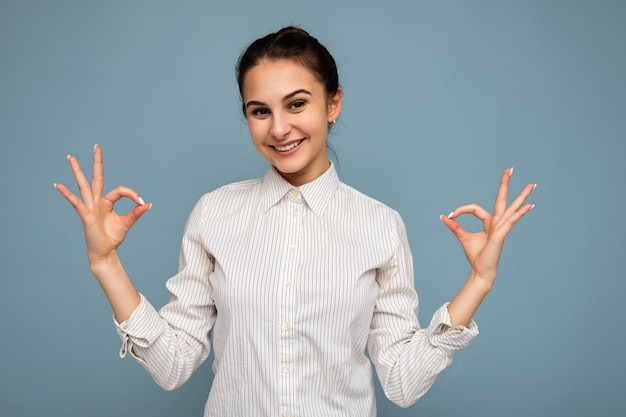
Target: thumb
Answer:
[[131, 218], [454, 227]]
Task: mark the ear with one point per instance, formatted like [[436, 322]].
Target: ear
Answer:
[[334, 105]]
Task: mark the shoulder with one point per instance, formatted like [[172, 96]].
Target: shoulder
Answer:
[[357, 199], [232, 190], [227, 198], [374, 211]]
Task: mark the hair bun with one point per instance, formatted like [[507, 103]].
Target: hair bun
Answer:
[[293, 30]]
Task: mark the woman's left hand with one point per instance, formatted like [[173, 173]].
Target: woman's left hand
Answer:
[[483, 249]]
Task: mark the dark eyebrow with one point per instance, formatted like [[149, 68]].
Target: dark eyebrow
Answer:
[[295, 93], [287, 97], [254, 103]]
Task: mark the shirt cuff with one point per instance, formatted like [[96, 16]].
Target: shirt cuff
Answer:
[[447, 338], [142, 328]]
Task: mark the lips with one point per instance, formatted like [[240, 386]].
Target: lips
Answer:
[[288, 147]]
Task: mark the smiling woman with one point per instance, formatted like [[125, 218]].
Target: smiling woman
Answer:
[[295, 274], [288, 115]]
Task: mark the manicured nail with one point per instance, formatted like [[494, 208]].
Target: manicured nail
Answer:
[[534, 186], [68, 157], [95, 147], [141, 201], [55, 185], [532, 207], [510, 171], [450, 215]]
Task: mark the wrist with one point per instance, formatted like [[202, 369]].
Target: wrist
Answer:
[[480, 283], [99, 264]]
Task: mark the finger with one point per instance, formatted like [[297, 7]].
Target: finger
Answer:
[[473, 209], [506, 224], [121, 192], [519, 200], [455, 228], [81, 180], [97, 180], [520, 213], [503, 190], [76, 202]]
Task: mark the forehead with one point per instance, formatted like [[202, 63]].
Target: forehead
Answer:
[[278, 78]]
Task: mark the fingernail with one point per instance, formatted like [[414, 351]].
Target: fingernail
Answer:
[[532, 207], [55, 185], [441, 217], [450, 215], [510, 171], [141, 201], [534, 186], [68, 157], [95, 147]]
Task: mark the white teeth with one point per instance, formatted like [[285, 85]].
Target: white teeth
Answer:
[[288, 147]]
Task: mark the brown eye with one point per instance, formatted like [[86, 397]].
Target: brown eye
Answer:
[[260, 112], [297, 105]]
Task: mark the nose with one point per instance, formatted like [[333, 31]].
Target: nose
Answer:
[[281, 126]]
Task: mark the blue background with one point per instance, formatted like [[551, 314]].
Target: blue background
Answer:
[[440, 97]]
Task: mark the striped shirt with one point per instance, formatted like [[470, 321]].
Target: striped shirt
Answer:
[[295, 283]]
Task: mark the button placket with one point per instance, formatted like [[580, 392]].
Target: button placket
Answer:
[[291, 271]]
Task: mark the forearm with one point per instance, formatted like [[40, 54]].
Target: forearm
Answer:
[[408, 367], [117, 286], [465, 304], [163, 346]]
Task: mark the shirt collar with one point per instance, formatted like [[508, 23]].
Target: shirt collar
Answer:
[[317, 193]]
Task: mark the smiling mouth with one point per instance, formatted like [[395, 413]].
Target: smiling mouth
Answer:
[[288, 147]]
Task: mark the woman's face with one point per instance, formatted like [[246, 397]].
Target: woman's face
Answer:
[[288, 115]]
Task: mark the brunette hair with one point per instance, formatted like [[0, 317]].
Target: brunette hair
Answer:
[[294, 44]]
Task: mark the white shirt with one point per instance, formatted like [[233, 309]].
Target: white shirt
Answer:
[[295, 283]]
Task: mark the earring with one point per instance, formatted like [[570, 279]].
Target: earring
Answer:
[[331, 125]]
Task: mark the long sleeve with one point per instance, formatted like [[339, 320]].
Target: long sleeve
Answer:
[[172, 343], [407, 357]]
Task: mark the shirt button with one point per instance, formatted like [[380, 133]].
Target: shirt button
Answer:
[[287, 369], [295, 212], [287, 326], [292, 248], [289, 283], [288, 413]]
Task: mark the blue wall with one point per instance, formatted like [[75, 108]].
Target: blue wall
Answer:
[[440, 97]]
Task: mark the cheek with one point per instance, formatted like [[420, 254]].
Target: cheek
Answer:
[[256, 129], [319, 124], [311, 122]]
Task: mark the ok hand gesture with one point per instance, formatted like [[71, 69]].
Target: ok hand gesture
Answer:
[[483, 249], [104, 229]]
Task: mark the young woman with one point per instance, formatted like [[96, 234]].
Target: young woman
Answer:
[[294, 274]]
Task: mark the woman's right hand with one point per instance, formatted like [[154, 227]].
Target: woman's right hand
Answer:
[[104, 229]]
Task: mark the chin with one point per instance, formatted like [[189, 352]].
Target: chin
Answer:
[[287, 169]]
